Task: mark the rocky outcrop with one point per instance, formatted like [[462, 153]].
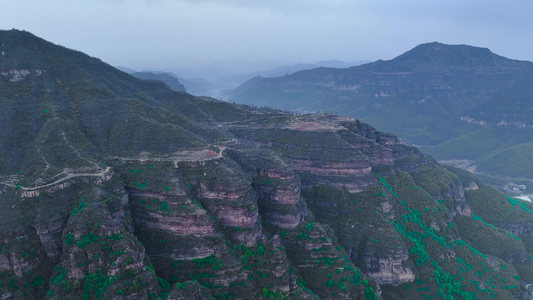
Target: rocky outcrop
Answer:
[[277, 186], [190, 290], [389, 265], [226, 193], [15, 75], [322, 263], [96, 245], [326, 168], [283, 194], [197, 225], [521, 229], [49, 234]]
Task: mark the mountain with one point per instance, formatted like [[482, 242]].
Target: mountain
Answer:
[[221, 89], [231, 74], [288, 69], [459, 102], [196, 86], [167, 79], [125, 69], [334, 63], [193, 86], [117, 187]]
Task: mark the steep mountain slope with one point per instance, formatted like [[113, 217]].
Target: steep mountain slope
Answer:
[[441, 96], [115, 187], [167, 79]]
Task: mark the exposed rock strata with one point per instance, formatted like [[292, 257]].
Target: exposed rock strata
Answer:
[[138, 191]]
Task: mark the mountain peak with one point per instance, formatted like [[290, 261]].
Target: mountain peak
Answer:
[[15, 40], [19, 50], [436, 47], [462, 56], [24, 56], [23, 50], [15, 33]]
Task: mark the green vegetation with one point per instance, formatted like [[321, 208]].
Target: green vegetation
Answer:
[[493, 227], [87, 239], [519, 203], [164, 207], [424, 239], [95, 284], [268, 294], [464, 121], [150, 268], [208, 262], [247, 256], [68, 238], [303, 286], [81, 205], [115, 187], [141, 185]]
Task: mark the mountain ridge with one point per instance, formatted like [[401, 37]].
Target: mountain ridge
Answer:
[[128, 189], [430, 96], [168, 79], [478, 56]]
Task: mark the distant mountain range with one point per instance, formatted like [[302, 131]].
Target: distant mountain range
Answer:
[[456, 101], [115, 187], [171, 81], [217, 78]]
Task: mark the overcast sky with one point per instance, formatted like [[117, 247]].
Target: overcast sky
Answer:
[[167, 34]]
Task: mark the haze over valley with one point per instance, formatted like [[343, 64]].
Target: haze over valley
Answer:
[[216, 79], [461, 103]]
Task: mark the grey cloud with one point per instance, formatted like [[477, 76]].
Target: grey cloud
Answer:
[[170, 33]]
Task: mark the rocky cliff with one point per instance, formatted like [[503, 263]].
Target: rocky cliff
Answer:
[[116, 188]]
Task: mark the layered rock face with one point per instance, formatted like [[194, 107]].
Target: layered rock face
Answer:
[[278, 187], [125, 189]]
